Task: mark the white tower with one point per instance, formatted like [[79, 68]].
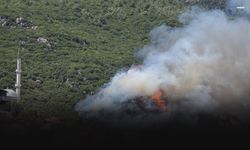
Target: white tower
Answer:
[[18, 78]]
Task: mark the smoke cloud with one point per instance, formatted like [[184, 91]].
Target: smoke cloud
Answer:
[[200, 67]]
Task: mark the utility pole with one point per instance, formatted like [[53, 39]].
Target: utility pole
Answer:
[[18, 78]]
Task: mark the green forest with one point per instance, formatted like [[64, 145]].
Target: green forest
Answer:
[[70, 48]]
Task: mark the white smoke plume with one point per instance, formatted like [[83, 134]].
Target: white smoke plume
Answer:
[[203, 66]]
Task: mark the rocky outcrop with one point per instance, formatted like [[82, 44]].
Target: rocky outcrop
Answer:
[[41, 40], [21, 22], [7, 21]]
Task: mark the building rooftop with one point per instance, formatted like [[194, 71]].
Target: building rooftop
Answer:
[[7, 95]]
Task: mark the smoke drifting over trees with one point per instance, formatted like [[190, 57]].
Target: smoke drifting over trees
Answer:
[[201, 67]]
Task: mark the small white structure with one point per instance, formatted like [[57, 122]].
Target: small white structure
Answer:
[[240, 7], [9, 94]]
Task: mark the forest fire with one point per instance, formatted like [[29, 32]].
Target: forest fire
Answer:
[[202, 67]]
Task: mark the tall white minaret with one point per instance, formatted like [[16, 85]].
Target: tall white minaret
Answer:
[[18, 78]]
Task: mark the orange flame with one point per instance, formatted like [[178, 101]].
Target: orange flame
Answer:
[[157, 98]]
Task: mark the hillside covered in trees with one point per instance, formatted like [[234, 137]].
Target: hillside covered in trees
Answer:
[[70, 48]]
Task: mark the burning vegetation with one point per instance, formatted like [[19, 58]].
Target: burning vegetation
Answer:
[[202, 67], [157, 98]]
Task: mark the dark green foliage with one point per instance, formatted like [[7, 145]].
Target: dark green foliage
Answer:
[[208, 4]]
